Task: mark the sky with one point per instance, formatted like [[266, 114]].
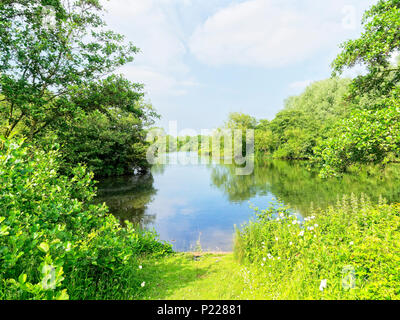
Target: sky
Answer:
[[202, 59]]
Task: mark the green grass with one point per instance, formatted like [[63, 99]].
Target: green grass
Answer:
[[351, 251], [183, 276], [63, 248]]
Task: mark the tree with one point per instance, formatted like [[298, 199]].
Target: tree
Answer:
[[371, 134], [241, 121], [374, 49], [367, 136], [111, 143], [263, 124], [264, 141], [43, 65], [307, 118]]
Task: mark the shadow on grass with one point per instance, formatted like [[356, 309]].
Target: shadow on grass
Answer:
[[163, 276]]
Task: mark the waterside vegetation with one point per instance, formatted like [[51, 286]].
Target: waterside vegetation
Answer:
[[65, 116]]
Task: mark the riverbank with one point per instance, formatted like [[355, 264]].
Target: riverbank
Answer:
[[189, 276], [346, 252], [65, 247]]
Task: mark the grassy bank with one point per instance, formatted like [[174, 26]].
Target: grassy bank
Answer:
[[55, 244], [351, 251], [194, 277]]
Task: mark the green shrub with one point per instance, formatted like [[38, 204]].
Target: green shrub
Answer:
[[54, 243], [108, 144], [351, 251], [367, 136]]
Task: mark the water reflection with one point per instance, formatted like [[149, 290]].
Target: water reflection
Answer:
[[203, 202], [297, 186], [128, 197]]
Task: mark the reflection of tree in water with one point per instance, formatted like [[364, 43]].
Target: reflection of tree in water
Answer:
[[299, 187], [237, 188], [128, 197], [158, 168]]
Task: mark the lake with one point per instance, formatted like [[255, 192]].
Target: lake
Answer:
[[199, 204]]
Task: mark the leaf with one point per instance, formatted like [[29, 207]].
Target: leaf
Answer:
[[63, 295], [22, 278], [44, 247]]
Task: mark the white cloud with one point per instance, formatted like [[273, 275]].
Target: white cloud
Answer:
[[160, 63], [272, 33], [156, 83]]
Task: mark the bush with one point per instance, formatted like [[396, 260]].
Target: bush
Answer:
[[367, 136], [348, 252], [108, 144], [54, 243], [306, 119]]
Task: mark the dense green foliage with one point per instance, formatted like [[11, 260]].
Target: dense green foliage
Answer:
[[350, 251], [239, 121], [57, 84], [53, 242], [371, 133], [374, 49], [110, 143], [341, 122], [61, 106], [305, 120], [367, 136], [40, 63]]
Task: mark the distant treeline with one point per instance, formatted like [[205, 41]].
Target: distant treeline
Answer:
[[335, 123]]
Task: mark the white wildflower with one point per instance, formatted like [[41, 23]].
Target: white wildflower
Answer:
[[323, 285], [301, 233], [143, 284], [140, 267]]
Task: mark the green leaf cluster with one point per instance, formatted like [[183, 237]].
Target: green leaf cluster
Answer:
[[348, 251], [54, 242]]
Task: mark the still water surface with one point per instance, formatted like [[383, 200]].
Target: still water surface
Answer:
[[201, 203]]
